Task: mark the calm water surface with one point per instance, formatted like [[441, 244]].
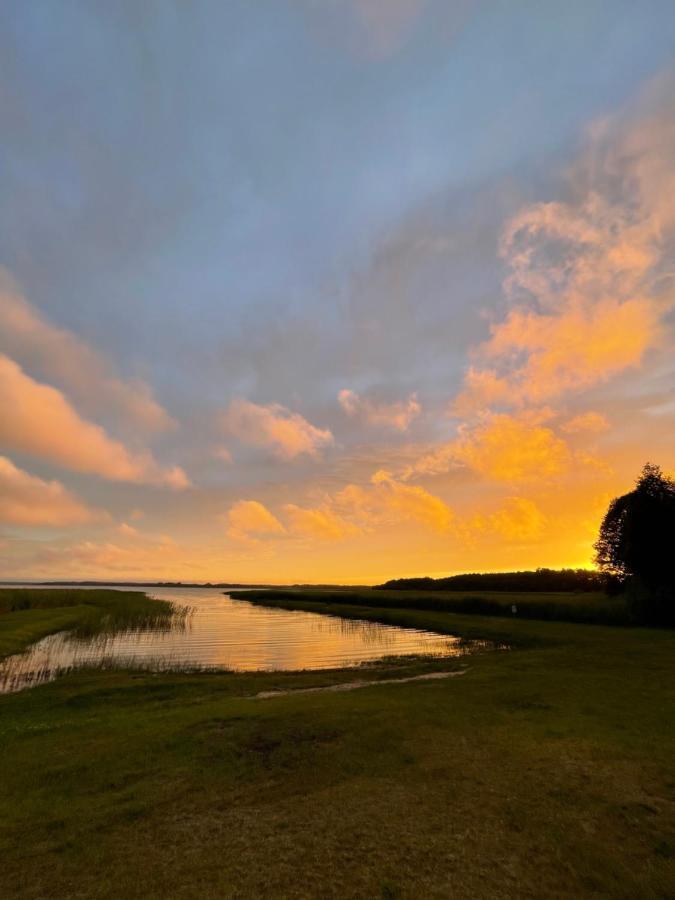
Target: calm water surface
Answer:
[[218, 632]]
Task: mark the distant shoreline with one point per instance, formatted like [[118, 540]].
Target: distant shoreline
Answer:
[[177, 584]]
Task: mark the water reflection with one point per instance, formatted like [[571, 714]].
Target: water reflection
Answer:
[[210, 630]]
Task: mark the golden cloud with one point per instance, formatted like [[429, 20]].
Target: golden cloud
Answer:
[[501, 447], [250, 519], [319, 523], [586, 288], [590, 422], [568, 351], [519, 519], [387, 500]]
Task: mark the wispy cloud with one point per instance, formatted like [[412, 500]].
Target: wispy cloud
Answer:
[[372, 28], [386, 24], [397, 415]]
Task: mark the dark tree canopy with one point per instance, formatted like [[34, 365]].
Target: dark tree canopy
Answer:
[[538, 580], [637, 538]]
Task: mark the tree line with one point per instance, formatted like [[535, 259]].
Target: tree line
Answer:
[[537, 580]]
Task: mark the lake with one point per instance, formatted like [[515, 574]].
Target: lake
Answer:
[[213, 631]]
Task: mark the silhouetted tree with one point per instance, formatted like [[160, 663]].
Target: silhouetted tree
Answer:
[[637, 545]]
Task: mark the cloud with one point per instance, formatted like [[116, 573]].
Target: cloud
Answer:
[[285, 433], [386, 25], [133, 555], [322, 524], [588, 283], [375, 29], [396, 415], [356, 508], [412, 502], [28, 500], [250, 519], [127, 530], [520, 519], [588, 422], [66, 360], [39, 420], [588, 292], [387, 501], [501, 447], [223, 454], [584, 345]]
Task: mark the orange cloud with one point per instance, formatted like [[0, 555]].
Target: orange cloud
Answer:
[[66, 360], [286, 433], [519, 519], [28, 500], [589, 422], [389, 501], [588, 295], [586, 288], [568, 351], [501, 447], [39, 420], [392, 415], [322, 524], [413, 502], [249, 519]]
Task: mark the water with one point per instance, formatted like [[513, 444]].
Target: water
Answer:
[[218, 632]]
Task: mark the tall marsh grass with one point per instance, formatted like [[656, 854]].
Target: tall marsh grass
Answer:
[[102, 610], [591, 608]]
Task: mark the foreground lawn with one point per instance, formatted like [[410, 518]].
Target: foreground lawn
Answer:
[[546, 770]]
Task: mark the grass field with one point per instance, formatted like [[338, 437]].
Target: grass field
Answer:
[[544, 771]]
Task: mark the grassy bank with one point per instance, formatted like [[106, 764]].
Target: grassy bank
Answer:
[[543, 771], [587, 608], [27, 614]]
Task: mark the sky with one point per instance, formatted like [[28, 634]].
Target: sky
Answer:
[[330, 291]]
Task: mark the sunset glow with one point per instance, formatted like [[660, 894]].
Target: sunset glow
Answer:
[[338, 309]]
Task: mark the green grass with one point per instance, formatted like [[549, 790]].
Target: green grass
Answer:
[[28, 614], [588, 607], [547, 770]]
